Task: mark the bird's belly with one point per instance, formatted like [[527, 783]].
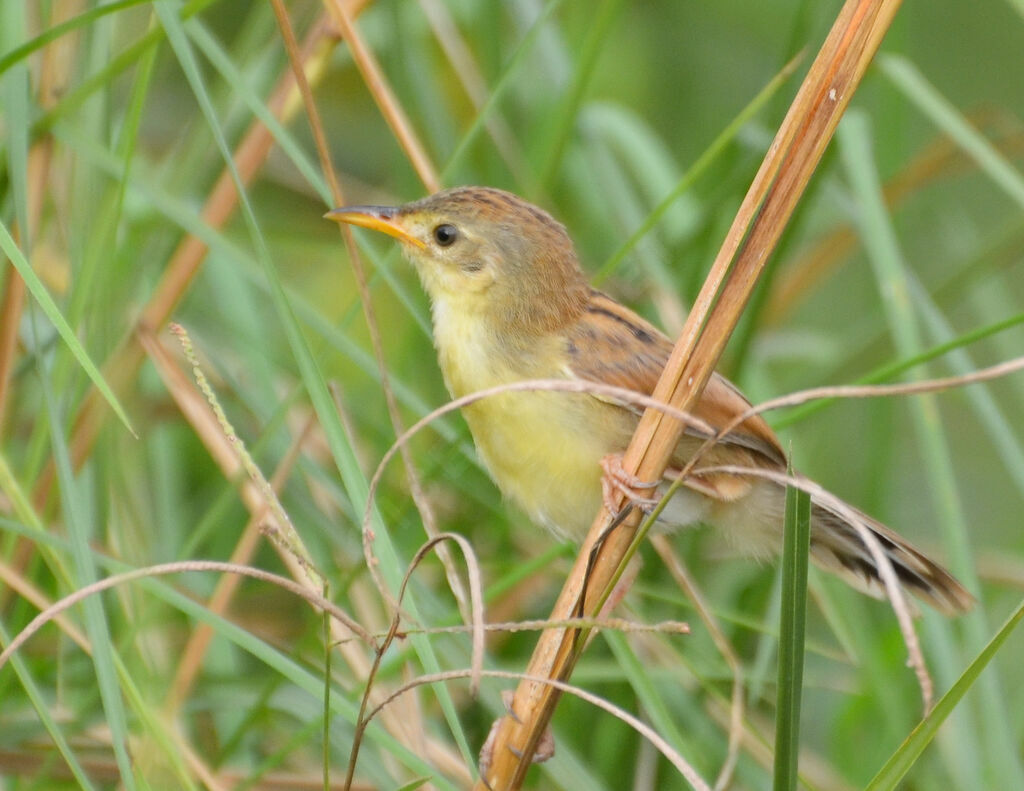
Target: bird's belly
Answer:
[[543, 450]]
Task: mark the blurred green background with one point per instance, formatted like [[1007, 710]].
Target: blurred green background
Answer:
[[111, 141]]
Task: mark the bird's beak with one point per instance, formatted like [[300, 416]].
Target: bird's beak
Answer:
[[377, 218]]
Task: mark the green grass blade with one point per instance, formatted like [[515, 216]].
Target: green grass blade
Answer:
[[569, 107], [74, 510], [295, 672], [42, 296], [896, 768], [42, 708], [233, 76], [702, 165], [995, 422], [15, 90], [889, 371], [984, 734], [654, 706], [497, 93], [53, 33], [792, 629], [912, 83], [391, 566]]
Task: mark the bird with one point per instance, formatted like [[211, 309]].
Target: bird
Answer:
[[510, 302]]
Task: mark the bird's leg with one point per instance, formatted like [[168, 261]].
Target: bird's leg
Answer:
[[615, 480]]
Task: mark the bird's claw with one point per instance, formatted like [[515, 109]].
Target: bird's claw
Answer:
[[615, 480]]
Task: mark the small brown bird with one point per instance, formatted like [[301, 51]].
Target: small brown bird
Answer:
[[510, 303]]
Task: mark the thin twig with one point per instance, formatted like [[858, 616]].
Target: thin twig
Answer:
[[645, 730], [890, 582], [736, 709], [181, 567], [476, 671]]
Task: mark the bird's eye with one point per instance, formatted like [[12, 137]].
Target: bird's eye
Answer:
[[445, 234]]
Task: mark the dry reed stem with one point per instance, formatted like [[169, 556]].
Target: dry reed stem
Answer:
[[195, 647], [123, 365], [11, 306], [201, 416], [359, 271], [38, 168], [990, 373], [53, 75], [788, 166], [382, 94]]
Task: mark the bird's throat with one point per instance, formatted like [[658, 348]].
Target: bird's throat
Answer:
[[469, 353]]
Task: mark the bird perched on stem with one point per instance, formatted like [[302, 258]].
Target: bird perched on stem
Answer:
[[510, 303]]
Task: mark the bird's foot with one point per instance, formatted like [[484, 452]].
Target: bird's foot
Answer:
[[615, 480]]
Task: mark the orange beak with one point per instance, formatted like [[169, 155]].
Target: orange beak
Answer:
[[377, 218]]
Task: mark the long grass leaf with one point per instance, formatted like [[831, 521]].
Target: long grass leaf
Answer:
[[989, 733], [908, 78], [340, 443], [42, 296], [698, 168], [792, 630], [75, 509], [84, 19], [42, 708], [902, 761]]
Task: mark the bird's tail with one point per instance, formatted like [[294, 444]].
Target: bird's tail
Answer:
[[837, 547]]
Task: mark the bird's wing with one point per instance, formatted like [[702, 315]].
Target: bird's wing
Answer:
[[613, 345]]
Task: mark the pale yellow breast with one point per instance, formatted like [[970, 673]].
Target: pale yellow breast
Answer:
[[544, 453], [543, 449]]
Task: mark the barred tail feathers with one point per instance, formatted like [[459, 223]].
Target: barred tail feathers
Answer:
[[837, 547]]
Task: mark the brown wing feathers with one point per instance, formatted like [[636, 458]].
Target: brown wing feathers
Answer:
[[626, 351]]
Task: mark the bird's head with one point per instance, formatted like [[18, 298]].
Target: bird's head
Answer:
[[485, 251]]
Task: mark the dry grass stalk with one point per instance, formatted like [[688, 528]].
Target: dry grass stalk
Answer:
[[676, 567], [359, 271], [381, 91], [195, 648], [788, 166], [201, 417], [53, 78], [14, 294], [123, 365]]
